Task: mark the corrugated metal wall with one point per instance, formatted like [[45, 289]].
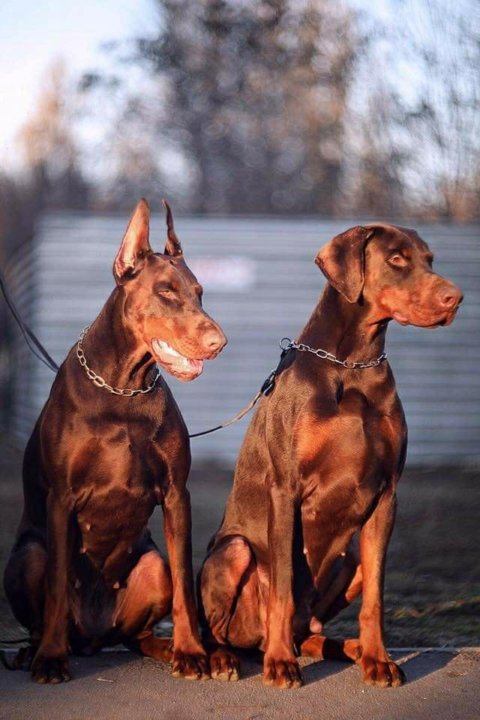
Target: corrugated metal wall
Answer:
[[21, 275], [260, 284]]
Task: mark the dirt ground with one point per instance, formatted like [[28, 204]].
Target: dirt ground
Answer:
[[433, 574]]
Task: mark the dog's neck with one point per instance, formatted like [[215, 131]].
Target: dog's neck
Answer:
[[113, 349], [345, 329]]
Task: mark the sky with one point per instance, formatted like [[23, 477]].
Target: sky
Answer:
[[33, 33]]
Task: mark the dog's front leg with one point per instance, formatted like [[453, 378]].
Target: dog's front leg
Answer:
[[189, 657], [378, 667], [50, 664], [279, 666]]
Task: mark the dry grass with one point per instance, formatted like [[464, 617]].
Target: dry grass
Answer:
[[433, 575]]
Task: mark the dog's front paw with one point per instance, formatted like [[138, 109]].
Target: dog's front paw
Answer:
[[281, 673], [50, 669], [224, 665], [192, 666], [382, 673]]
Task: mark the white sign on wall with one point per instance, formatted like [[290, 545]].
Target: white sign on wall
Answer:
[[225, 274]]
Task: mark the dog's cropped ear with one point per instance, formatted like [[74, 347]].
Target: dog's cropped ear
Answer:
[[135, 245], [172, 246], [342, 261]]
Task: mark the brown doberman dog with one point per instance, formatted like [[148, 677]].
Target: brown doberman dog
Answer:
[[320, 461], [84, 571]]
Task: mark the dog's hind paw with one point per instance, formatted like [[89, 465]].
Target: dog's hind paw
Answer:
[[22, 660], [324, 648], [224, 665], [154, 647]]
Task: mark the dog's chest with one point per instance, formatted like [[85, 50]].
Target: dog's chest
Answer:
[[114, 517], [354, 437], [117, 482]]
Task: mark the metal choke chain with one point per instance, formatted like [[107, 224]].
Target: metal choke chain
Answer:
[[101, 383], [287, 344]]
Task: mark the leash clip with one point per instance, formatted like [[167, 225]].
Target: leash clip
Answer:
[[269, 383], [286, 344]]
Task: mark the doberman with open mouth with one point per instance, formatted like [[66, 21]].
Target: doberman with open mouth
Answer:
[[110, 445]]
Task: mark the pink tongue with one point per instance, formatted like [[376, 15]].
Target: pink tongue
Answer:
[[196, 364]]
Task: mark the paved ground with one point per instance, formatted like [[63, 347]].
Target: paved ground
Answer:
[[444, 685]]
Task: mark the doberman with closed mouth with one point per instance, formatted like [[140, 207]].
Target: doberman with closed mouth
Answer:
[[84, 571], [317, 473]]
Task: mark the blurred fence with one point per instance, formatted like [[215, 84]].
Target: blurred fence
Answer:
[[261, 284]]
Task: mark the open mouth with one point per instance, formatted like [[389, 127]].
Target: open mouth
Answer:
[[176, 364]]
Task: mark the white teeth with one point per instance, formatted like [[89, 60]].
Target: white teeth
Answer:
[[165, 347], [173, 360]]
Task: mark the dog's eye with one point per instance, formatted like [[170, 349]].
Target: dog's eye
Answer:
[[164, 289], [397, 260]]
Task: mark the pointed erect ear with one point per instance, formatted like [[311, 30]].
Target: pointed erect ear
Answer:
[[342, 261], [135, 246], [172, 246]]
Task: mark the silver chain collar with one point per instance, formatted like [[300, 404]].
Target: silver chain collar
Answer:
[[287, 344], [100, 382]]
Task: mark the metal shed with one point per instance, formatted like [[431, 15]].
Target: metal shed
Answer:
[[261, 284]]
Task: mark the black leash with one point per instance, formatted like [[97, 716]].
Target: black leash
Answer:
[[32, 341], [266, 389]]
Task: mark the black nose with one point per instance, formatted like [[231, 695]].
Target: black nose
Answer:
[[451, 297]]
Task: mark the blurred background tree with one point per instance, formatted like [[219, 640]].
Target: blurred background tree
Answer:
[[305, 106], [256, 95], [272, 107], [442, 42], [48, 142]]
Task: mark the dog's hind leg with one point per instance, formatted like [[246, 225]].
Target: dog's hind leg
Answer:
[[24, 581], [230, 604], [346, 585], [145, 600]]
